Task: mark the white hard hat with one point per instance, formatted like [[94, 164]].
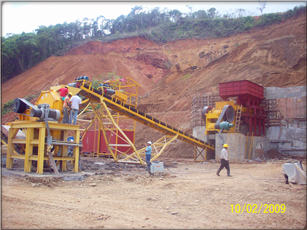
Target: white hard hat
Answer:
[[149, 142]]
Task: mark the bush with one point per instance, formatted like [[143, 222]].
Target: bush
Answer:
[[8, 107]]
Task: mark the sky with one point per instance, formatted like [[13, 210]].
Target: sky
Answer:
[[18, 17]]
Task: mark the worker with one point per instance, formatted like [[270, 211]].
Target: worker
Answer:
[[63, 92], [224, 160], [148, 156], [75, 103], [66, 109]]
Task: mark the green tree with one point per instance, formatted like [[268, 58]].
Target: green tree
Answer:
[[212, 12]]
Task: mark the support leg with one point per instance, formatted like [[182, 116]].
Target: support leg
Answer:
[[29, 150], [41, 151], [10, 147], [76, 152], [64, 151]]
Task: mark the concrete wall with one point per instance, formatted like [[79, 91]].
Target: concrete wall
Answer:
[[199, 132], [290, 136], [241, 148], [278, 92], [236, 149]]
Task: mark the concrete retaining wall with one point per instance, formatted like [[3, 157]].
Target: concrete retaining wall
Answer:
[[290, 136], [199, 132], [278, 92], [240, 146]]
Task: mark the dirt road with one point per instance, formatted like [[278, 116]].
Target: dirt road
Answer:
[[188, 195]]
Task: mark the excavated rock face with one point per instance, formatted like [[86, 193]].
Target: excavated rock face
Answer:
[[171, 74], [155, 59]]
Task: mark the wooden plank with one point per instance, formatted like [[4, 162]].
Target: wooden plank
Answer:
[[18, 156], [52, 162], [35, 157]]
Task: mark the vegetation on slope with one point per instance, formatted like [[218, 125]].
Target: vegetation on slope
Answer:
[[9, 106], [22, 51]]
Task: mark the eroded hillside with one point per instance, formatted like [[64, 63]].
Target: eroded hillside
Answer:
[[171, 74], [272, 56]]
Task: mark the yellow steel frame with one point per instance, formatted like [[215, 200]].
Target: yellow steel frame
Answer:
[[213, 115], [6, 144], [122, 108], [150, 122], [120, 130], [103, 115], [105, 123], [129, 109], [130, 96], [158, 148], [35, 137], [198, 152]]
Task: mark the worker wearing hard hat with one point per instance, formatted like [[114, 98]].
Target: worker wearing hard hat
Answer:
[[224, 160], [148, 156]]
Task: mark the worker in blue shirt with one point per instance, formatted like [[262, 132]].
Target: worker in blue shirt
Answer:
[[148, 156]]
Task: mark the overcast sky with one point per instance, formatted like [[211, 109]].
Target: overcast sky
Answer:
[[18, 17]]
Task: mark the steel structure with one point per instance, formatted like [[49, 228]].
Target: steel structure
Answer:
[[131, 111], [106, 134], [49, 140], [250, 95], [198, 103], [35, 145], [158, 148]]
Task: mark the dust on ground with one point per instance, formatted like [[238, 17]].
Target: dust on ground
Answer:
[[187, 195]]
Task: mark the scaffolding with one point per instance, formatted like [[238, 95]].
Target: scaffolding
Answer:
[[198, 103]]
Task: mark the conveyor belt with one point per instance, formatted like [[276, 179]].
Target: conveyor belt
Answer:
[[134, 113]]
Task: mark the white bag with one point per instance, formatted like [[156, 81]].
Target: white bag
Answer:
[[294, 172]]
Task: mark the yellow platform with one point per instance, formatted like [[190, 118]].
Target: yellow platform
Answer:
[[35, 145]]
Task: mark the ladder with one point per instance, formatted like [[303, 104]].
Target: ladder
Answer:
[[238, 119]]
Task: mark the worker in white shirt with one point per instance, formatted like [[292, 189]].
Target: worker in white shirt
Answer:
[[224, 160], [75, 102]]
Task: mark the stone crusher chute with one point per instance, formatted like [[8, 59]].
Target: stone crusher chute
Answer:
[[107, 102]]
